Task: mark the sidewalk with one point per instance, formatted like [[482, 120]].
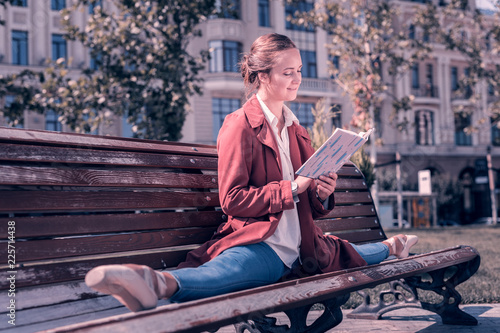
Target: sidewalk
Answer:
[[413, 320]]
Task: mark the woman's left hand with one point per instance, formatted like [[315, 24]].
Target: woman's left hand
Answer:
[[326, 185]]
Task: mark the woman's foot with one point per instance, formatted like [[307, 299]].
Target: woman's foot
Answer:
[[400, 245], [135, 286]]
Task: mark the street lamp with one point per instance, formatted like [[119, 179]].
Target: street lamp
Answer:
[[492, 186]]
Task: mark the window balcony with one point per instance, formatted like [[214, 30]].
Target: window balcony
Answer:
[[427, 91]]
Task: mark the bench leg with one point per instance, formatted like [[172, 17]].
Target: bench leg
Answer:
[[440, 283], [331, 317], [445, 286]]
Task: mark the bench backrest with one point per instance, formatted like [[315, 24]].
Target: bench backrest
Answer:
[[79, 201]]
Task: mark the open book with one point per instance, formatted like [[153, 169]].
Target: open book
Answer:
[[333, 153]]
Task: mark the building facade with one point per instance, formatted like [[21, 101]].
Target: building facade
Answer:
[[435, 140]]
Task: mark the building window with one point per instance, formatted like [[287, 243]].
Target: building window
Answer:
[[495, 132], [309, 67], [468, 88], [415, 81], [424, 131], [228, 9], [221, 107], [454, 79], [411, 32], [429, 81], [58, 47], [127, 131], [57, 4], [93, 5], [95, 61], [302, 7], [264, 15], [224, 56], [20, 3], [303, 112], [462, 121], [19, 47], [52, 122]]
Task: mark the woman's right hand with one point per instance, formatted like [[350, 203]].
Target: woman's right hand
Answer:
[[302, 183]]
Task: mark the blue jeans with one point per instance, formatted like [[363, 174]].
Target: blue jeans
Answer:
[[244, 267]]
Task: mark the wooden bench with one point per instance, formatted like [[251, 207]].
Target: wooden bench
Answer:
[[74, 202]]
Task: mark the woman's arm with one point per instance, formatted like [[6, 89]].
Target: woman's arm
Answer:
[[238, 147]]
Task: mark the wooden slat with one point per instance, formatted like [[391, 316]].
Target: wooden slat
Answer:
[[362, 237], [108, 142], [343, 198], [352, 211], [66, 225], [28, 153], [64, 176], [54, 201], [344, 184], [69, 247], [332, 225], [75, 269], [214, 312]]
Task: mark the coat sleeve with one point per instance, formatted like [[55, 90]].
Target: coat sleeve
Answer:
[[237, 147]]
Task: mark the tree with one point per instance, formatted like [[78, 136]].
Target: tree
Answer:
[[364, 36], [140, 67], [476, 37]]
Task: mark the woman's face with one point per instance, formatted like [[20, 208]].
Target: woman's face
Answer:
[[283, 82]]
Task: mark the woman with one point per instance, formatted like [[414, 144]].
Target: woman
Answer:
[[270, 230]]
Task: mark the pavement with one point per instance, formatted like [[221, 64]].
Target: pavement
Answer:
[[411, 320]]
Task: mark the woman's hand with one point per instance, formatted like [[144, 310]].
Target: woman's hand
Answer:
[[302, 183], [326, 185]]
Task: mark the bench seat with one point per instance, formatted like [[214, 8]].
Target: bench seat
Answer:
[[80, 201]]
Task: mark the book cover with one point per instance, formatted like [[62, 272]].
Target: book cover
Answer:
[[334, 153]]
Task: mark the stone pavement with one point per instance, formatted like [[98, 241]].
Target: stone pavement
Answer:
[[412, 320]]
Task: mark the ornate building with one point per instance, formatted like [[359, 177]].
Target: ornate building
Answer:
[[32, 33]]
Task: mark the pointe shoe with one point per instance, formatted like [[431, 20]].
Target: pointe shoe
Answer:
[[404, 253], [410, 241], [135, 286]]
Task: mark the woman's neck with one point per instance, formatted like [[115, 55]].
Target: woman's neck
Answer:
[[276, 107]]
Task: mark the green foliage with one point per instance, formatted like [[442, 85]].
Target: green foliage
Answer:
[[144, 71], [317, 132], [363, 162]]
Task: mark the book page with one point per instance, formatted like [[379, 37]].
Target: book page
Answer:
[[334, 153]]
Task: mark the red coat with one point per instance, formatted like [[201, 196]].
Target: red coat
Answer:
[[253, 194]]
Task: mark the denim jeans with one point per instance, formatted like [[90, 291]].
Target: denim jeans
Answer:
[[244, 267]]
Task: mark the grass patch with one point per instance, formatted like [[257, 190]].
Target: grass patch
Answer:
[[482, 287]]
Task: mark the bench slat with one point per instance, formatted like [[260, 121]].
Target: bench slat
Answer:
[[344, 198], [25, 153], [53, 201], [108, 142], [344, 184], [64, 176], [368, 236], [75, 268], [66, 225], [68, 247], [352, 211], [332, 225]]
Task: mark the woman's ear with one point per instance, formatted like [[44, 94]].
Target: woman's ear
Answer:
[[263, 77]]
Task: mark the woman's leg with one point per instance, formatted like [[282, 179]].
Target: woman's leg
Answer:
[[373, 253], [139, 287], [237, 268], [398, 246]]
